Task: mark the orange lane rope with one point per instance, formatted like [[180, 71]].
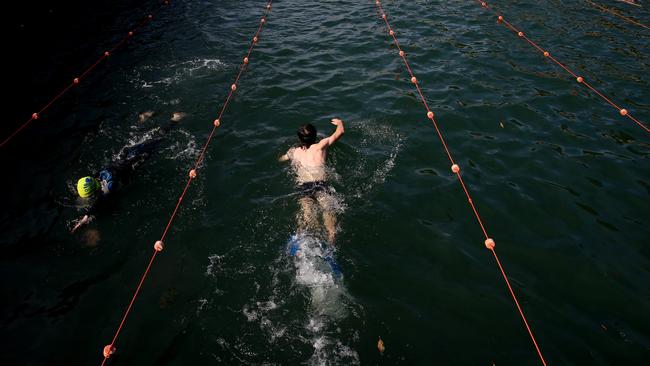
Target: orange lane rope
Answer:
[[608, 10], [75, 81], [159, 244], [581, 80], [455, 168]]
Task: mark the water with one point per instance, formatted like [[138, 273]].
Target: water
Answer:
[[563, 187]]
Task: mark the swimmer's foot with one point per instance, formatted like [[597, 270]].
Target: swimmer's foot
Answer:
[[177, 116], [144, 116]]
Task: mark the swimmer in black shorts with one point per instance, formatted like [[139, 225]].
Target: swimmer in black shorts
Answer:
[[309, 162]]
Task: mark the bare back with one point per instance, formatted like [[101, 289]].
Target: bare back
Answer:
[[310, 161]]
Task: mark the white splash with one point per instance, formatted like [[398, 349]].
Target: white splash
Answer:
[[317, 270], [182, 71]]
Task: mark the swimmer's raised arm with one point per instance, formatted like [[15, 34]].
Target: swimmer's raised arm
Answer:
[[340, 130]]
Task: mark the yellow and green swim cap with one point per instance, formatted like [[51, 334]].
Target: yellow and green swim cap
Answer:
[[86, 186]]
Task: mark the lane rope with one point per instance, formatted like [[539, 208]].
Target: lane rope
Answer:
[[455, 168], [77, 80], [627, 19], [579, 79], [110, 349]]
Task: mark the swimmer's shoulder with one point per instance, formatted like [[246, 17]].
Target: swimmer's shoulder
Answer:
[[291, 153]]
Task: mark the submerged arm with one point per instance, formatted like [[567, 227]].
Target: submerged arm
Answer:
[[286, 156], [81, 222]]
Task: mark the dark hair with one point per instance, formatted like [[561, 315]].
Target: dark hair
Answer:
[[307, 135]]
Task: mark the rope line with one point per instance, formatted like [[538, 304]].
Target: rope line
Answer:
[[455, 168], [110, 349], [608, 10], [75, 81], [501, 19]]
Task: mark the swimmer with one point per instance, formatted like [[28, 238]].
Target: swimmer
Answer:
[[94, 190], [309, 162]]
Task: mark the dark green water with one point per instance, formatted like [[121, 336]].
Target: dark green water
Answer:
[[563, 187]]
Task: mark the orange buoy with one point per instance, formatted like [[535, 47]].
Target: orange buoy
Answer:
[[108, 350]]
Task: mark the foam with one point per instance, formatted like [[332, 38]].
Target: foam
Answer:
[[184, 148], [191, 69], [328, 298], [374, 137]]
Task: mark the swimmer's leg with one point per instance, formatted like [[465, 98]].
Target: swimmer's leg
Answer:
[[327, 204], [307, 214], [330, 224]]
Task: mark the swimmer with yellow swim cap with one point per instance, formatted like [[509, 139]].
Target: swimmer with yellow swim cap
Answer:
[[94, 189], [87, 186], [90, 188]]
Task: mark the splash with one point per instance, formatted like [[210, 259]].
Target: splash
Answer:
[[180, 72], [332, 352], [317, 270], [369, 173], [184, 147], [137, 139]]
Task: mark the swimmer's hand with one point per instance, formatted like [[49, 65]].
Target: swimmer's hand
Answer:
[[81, 222], [328, 141]]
